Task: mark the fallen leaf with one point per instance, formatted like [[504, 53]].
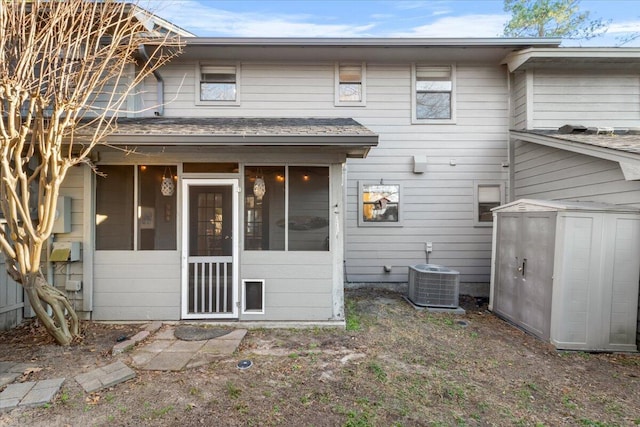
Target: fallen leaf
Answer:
[[31, 371], [93, 399]]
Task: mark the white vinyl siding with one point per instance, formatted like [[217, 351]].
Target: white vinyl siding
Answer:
[[142, 285], [438, 205], [552, 174], [519, 100], [602, 98]]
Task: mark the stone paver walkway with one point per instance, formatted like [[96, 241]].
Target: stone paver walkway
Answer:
[[163, 352], [105, 377], [32, 393], [10, 371]]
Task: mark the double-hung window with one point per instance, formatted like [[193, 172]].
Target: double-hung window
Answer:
[[379, 204], [434, 97], [487, 195], [218, 84], [350, 84]]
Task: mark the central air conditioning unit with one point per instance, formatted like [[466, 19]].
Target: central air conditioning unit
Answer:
[[433, 285]]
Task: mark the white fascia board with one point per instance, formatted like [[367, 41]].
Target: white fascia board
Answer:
[[375, 41], [515, 60]]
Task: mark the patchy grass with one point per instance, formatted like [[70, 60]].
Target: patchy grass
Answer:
[[394, 366]]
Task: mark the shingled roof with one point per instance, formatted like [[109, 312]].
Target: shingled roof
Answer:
[[620, 140], [344, 134], [252, 126]]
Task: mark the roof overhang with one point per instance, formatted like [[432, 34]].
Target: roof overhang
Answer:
[[362, 49], [337, 134], [623, 149], [611, 57]]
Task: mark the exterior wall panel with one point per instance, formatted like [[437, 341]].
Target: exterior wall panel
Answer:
[[589, 98]]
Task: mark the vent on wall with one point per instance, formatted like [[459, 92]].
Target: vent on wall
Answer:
[[433, 285]]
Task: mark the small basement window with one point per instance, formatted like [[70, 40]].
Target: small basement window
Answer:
[[253, 296], [487, 196]]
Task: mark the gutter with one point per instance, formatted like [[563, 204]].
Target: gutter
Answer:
[[160, 83]]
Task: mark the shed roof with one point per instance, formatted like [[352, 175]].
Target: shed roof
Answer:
[[535, 205]]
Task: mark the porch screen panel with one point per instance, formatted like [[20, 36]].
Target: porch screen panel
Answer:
[[308, 208], [156, 212], [264, 227], [114, 208]]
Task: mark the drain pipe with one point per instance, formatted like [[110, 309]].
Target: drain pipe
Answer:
[[160, 85]]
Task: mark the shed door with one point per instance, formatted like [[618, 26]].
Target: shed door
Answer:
[[210, 249], [525, 270]]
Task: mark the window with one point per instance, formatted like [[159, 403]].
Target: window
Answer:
[[380, 204], [253, 296], [217, 84], [286, 208], [129, 218], [350, 84], [434, 94], [486, 197]]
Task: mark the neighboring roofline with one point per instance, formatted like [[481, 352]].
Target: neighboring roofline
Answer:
[[575, 146], [515, 60], [375, 42], [152, 18]]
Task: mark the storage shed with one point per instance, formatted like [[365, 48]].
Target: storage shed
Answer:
[[568, 272]]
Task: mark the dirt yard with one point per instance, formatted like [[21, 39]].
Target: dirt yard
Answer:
[[394, 366]]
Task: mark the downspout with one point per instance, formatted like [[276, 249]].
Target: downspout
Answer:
[[160, 82]]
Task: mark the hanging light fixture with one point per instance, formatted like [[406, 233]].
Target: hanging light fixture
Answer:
[[167, 187], [259, 187]]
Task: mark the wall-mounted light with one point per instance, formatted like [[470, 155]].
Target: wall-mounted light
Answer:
[[305, 177]]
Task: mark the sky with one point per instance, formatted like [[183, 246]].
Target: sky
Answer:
[[360, 18]]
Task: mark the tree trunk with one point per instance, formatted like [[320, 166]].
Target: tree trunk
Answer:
[[40, 295]]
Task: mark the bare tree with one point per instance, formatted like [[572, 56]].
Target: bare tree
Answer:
[[66, 68]]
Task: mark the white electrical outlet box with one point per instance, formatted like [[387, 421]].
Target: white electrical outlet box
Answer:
[[73, 285], [429, 247]]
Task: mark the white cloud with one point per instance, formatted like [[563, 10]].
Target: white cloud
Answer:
[[204, 20], [624, 27], [459, 26]]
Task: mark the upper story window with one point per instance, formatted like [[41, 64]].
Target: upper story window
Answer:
[[350, 84], [218, 84], [434, 99]]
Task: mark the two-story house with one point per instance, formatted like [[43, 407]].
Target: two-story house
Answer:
[[297, 165], [262, 174]]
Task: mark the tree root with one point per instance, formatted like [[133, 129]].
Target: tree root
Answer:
[[41, 294]]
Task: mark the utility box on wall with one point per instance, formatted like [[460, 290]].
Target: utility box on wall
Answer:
[[568, 272], [62, 222]]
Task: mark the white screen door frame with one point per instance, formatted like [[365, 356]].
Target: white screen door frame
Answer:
[[203, 296]]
